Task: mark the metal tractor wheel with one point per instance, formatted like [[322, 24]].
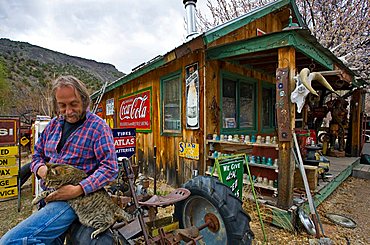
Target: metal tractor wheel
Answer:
[[212, 201]]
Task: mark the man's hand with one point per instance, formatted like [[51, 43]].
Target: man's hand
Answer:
[[41, 172], [65, 193]]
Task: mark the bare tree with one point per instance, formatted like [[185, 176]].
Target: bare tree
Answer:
[[225, 10], [342, 26]]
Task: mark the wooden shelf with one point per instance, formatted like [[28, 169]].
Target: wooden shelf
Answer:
[[259, 185], [262, 166], [244, 144]]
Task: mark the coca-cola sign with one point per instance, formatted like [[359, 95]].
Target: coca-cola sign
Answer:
[[135, 110]]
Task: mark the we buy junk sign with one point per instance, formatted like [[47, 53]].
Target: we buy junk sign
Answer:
[[135, 110]]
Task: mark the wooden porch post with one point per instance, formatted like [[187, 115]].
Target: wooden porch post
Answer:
[[286, 58], [355, 122]]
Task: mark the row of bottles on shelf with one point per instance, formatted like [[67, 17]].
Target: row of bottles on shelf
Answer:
[[268, 161], [262, 160], [258, 139], [264, 181]]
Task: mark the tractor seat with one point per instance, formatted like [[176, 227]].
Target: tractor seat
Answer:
[[159, 201]]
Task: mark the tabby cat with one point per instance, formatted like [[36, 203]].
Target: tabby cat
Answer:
[[95, 210]]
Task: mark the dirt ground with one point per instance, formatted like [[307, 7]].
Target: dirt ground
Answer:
[[351, 199]]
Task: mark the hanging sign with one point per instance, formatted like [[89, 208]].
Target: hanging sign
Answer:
[[8, 131], [192, 96], [135, 110], [124, 141], [230, 170]]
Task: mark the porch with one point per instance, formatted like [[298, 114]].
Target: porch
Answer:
[[340, 169]]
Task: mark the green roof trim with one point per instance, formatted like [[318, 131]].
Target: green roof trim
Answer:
[[232, 25], [311, 50], [135, 74], [271, 41]]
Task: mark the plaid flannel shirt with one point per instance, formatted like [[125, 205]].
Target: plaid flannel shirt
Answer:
[[90, 148]]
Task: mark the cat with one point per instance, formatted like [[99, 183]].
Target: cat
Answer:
[[95, 210]]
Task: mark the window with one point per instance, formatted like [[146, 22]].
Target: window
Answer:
[[171, 103], [268, 106], [238, 97]]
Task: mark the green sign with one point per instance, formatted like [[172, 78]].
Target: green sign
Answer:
[[230, 171]]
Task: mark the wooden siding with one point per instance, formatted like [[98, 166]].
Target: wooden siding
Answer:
[[270, 23], [176, 169]]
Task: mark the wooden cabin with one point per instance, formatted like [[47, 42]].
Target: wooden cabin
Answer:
[[233, 80]]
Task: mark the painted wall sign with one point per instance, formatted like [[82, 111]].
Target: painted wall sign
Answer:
[[8, 192], [124, 141], [230, 170], [8, 151], [109, 107], [189, 150], [192, 96], [135, 110], [8, 131], [7, 161]]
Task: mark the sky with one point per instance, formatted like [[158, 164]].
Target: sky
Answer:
[[124, 33]]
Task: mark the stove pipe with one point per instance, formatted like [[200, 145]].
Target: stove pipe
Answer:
[[190, 17]]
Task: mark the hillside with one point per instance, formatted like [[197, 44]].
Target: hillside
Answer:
[[26, 71]]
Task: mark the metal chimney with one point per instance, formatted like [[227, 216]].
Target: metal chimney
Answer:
[[190, 17]]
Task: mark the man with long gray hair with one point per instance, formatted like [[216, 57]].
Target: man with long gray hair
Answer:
[[76, 137]]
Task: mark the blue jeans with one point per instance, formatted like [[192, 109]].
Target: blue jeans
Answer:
[[43, 227]]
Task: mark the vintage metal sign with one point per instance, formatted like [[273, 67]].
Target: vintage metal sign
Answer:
[[189, 150], [7, 161], [124, 141], [192, 96], [6, 193], [8, 171], [109, 107], [135, 110], [8, 151], [99, 111], [8, 131], [7, 182], [24, 140]]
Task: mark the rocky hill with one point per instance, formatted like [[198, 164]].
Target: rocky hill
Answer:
[[26, 71]]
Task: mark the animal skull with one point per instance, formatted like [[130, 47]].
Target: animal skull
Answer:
[[303, 87]]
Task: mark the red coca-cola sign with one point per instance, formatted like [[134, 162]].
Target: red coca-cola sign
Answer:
[[135, 110]]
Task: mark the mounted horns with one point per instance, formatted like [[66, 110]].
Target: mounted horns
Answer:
[[306, 78]]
